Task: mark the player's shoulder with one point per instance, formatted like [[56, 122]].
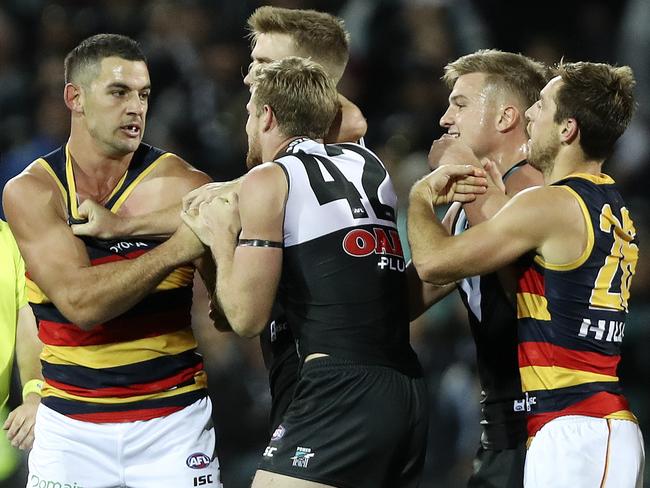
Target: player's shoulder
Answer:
[[177, 171], [34, 178]]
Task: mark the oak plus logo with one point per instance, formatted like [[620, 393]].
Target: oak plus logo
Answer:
[[382, 242]]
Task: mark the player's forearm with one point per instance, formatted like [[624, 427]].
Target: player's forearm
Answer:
[[96, 294], [28, 346], [162, 223], [242, 293], [423, 295], [485, 206], [425, 235]]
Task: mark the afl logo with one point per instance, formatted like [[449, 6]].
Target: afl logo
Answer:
[[278, 433], [198, 460]]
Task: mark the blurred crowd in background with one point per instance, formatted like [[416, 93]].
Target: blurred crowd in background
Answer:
[[198, 54]]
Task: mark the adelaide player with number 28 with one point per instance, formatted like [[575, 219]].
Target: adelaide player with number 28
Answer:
[[573, 291]]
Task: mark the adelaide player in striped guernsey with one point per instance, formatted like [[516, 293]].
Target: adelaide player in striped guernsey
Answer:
[[578, 250], [125, 400]]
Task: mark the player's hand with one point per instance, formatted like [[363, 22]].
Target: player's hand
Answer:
[[450, 150], [20, 423], [206, 193], [101, 222], [493, 173], [189, 245], [450, 184]]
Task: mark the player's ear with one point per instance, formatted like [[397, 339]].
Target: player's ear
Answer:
[[73, 97], [507, 118], [569, 130], [268, 119]]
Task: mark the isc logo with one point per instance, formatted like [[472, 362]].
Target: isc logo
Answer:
[[203, 480], [360, 242], [198, 460]]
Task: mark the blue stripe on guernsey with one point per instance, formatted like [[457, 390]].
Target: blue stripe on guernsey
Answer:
[[67, 407], [569, 356], [142, 372], [561, 398], [140, 365], [165, 300], [531, 330]]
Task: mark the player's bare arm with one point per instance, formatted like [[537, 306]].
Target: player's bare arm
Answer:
[[20, 422], [559, 236], [58, 262], [423, 295], [249, 267], [487, 205]]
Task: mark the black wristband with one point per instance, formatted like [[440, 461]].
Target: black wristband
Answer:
[[258, 243]]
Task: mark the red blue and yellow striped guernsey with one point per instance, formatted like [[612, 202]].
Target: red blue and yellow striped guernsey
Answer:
[[572, 317], [140, 365]]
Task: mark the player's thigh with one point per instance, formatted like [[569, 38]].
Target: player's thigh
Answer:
[[266, 479], [576, 452], [68, 452], [177, 450], [626, 457]]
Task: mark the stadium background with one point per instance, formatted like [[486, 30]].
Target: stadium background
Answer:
[[198, 53]]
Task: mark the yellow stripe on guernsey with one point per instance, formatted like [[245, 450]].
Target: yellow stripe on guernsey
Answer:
[[590, 232], [200, 381], [46, 166], [623, 415], [552, 377], [533, 306], [121, 353]]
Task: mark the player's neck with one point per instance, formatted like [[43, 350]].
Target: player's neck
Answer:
[[571, 161], [93, 158], [509, 154]]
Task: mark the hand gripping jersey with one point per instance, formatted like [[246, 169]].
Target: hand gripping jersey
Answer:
[[141, 364], [343, 287], [572, 317], [493, 322]]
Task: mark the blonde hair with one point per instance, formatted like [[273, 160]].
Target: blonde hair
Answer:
[[316, 35], [516, 73], [600, 98], [301, 94]]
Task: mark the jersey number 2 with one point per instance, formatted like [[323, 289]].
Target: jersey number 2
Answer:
[[621, 261]]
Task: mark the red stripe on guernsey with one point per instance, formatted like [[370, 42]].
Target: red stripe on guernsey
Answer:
[[599, 405], [130, 390], [128, 416], [123, 329], [545, 354], [532, 281], [117, 257]]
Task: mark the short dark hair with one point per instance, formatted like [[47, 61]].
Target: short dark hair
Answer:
[[600, 98], [92, 50]]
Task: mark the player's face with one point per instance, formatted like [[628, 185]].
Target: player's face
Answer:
[[268, 48], [115, 105], [471, 113], [254, 155], [544, 142]]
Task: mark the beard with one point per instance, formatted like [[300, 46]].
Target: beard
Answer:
[[254, 154], [542, 155]]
